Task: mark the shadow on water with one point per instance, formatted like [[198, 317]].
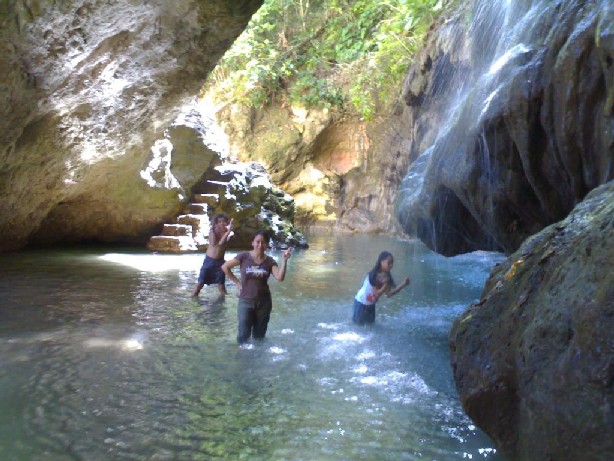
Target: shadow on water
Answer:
[[105, 355]]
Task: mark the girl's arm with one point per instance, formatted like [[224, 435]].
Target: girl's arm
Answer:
[[399, 288], [227, 266], [378, 292], [280, 272]]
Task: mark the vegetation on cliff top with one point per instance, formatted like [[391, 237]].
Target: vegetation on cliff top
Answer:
[[341, 54]]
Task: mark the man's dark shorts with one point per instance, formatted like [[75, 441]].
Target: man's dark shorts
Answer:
[[211, 273]]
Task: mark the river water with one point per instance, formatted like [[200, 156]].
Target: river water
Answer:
[[104, 355]]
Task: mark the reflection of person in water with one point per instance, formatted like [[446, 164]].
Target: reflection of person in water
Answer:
[[211, 312], [255, 304]]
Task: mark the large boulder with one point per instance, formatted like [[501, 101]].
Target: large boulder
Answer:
[[520, 104], [254, 204], [87, 89], [533, 360]]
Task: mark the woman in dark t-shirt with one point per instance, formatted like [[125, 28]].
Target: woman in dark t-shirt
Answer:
[[255, 304]]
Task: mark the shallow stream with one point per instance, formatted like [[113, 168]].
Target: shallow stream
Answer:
[[104, 355]]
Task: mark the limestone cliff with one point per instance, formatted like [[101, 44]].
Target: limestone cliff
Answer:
[[87, 89]]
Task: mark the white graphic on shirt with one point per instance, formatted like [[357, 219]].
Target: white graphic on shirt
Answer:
[[256, 271]]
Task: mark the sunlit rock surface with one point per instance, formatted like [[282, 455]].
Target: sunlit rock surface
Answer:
[[343, 175], [520, 104], [86, 89], [534, 358]]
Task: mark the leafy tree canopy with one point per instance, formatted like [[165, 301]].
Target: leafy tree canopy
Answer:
[[346, 55]]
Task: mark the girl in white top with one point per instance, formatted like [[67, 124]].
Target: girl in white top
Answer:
[[377, 282]]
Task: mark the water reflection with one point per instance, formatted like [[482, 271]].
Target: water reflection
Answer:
[[105, 355]]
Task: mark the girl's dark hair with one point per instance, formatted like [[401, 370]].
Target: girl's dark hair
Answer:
[[373, 273], [264, 234]]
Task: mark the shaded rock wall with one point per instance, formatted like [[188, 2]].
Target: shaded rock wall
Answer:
[[534, 358], [87, 88], [522, 103]]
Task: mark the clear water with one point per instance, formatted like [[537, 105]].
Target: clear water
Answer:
[[105, 356]]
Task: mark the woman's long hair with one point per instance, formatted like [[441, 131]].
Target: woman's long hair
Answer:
[[265, 235], [373, 273]]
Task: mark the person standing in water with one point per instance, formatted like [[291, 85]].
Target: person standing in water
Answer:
[[377, 282], [211, 271], [255, 303]]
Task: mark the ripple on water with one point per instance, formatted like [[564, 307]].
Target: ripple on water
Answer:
[[130, 367]]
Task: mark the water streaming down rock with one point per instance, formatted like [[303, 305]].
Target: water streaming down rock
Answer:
[[522, 130], [525, 133]]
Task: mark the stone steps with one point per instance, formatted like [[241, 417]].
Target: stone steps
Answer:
[[172, 244], [177, 230], [190, 231], [197, 208], [209, 199], [223, 184], [213, 187], [194, 220]]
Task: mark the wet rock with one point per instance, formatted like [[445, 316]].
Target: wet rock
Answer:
[[512, 121], [533, 360], [256, 204]]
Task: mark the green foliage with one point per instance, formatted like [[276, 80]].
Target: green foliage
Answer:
[[338, 54]]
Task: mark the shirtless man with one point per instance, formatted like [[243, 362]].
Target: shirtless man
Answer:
[[211, 270]]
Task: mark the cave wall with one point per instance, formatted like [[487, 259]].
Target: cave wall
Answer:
[[87, 88]]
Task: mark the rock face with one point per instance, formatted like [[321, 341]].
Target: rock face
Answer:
[[510, 133], [87, 88], [534, 358], [343, 175], [521, 105]]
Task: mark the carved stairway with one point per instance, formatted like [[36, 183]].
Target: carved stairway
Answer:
[[242, 191], [190, 231]]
